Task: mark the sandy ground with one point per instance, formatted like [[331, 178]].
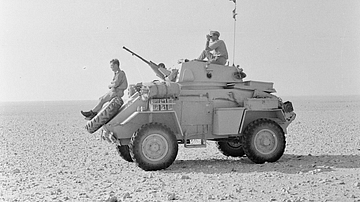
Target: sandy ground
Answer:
[[47, 155]]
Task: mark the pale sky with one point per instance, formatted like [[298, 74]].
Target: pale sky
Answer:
[[60, 50]]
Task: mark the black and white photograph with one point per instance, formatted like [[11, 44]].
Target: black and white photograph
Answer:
[[191, 100]]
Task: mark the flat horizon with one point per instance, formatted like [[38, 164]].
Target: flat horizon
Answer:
[[281, 96]]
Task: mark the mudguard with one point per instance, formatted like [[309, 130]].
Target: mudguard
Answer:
[[126, 128]]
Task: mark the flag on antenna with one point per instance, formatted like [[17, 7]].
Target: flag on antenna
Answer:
[[234, 13], [233, 1]]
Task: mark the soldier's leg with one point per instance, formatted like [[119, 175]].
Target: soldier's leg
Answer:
[[218, 60], [205, 54], [102, 100]]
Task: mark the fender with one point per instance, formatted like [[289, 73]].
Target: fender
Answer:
[[276, 115], [131, 124]]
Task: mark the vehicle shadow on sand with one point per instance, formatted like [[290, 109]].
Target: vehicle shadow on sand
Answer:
[[288, 163]]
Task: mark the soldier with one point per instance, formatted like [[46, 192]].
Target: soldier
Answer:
[[215, 51], [117, 87], [169, 74]]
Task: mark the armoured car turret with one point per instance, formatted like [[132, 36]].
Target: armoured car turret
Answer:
[[201, 102]]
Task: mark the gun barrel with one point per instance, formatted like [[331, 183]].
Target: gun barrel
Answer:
[[153, 66], [147, 62]]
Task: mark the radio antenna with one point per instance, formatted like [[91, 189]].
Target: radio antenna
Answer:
[[234, 16]]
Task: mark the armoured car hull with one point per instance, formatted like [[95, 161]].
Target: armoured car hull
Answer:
[[207, 102]]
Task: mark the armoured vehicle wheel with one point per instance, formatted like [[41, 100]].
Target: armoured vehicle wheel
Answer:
[[124, 152], [105, 115], [234, 149], [153, 147], [264, 140]]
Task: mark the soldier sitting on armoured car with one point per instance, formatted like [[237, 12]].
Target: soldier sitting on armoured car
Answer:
[[216, 51], [116, 89]]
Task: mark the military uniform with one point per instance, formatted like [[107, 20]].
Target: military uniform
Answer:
[[117, 87], [216, 51]]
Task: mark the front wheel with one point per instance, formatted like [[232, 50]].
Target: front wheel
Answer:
[[153, 147], [264, 141]]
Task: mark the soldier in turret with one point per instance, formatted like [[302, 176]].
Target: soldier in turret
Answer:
[[215, 51]]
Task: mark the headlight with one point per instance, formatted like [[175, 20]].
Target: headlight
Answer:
[[287, 107]]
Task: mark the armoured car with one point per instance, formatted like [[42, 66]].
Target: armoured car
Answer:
[[197, 103]]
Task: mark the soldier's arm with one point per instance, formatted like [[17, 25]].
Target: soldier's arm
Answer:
[[214, 45], [207, 43], [117, 81]]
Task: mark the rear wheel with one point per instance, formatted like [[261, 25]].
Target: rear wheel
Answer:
[[124, 152], [264, 141], [231, 148], [153, 147]]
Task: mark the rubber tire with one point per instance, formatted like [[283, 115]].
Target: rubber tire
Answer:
[[157, 132], [266, 127], [124, 152], [228, 149], [105, 115]]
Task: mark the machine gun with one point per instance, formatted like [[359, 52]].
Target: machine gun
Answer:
[[159, 71]]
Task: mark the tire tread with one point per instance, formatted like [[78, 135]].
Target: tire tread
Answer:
[[250, 129], [225, 149], [135, 150], [104, 116]]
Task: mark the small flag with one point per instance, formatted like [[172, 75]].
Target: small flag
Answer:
[[233, 1], [234, 14]]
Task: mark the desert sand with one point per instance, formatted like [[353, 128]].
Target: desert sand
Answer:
[[47, 155]]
